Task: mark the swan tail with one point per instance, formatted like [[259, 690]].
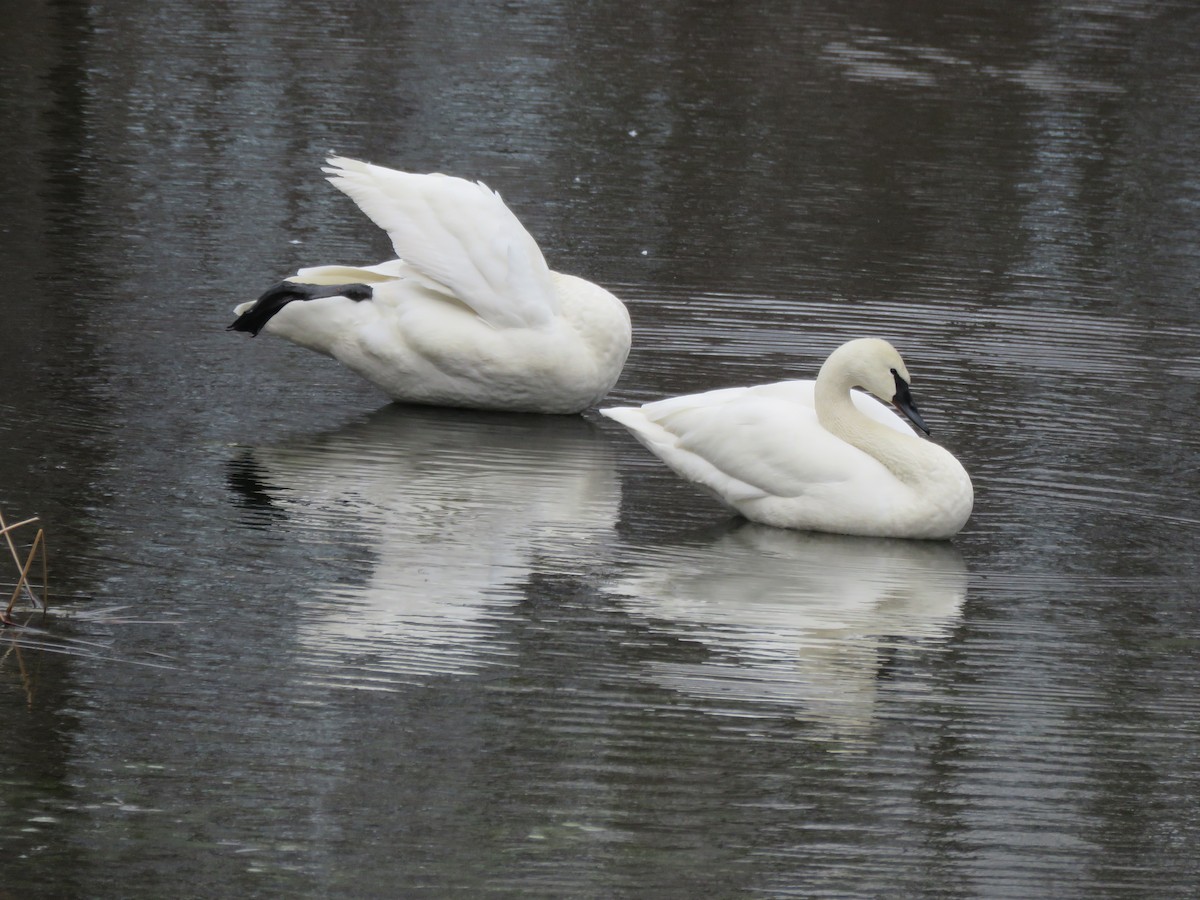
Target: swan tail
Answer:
[[254, 316]]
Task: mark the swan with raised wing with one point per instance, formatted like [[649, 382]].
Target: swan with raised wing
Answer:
[[815, 455], [470, 315]]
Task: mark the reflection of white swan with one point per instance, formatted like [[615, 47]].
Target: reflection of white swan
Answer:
[[803, 620], [452, 507]]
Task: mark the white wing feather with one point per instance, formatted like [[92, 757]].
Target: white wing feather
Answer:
[[457, 233], [704, 438]]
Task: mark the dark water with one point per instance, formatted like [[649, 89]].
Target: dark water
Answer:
[[340, 648]]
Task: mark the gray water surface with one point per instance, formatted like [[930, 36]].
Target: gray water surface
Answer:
[[304, 642]]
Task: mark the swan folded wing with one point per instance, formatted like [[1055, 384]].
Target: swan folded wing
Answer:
[[762, 446], [665, 445], [458, 234]]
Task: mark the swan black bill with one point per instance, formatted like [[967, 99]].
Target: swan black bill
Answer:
[[903, 401], [280, 295]]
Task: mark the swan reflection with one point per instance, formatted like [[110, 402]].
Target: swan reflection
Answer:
[[809, 622], [449, 511]]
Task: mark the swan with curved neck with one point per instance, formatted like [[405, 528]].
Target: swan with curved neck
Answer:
[[817, 456], [470, 314]]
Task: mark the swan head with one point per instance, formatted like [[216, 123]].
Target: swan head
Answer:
[[903, 401], [874, 365]]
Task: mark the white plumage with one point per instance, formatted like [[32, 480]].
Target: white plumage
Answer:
[[469, 315], [814, 455]]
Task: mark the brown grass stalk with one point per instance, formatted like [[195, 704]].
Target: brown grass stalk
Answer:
[[39, 543]]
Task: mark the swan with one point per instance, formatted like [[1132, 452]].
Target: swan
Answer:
[[816, 455], [470, 315]]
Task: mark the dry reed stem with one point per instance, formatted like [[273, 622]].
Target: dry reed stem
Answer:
[[15, 525], [39, 542], [23, 577]]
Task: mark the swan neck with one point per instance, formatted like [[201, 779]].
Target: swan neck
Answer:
[[904, 455]]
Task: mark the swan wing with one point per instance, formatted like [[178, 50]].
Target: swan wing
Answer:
[[750, 443], [457, 234]]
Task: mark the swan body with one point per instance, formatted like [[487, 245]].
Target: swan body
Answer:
[[470, 315], [814, 455]]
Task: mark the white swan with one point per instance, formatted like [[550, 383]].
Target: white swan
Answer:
[[815, 455], [470, 315]]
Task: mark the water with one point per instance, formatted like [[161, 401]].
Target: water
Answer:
[[341, 648]]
